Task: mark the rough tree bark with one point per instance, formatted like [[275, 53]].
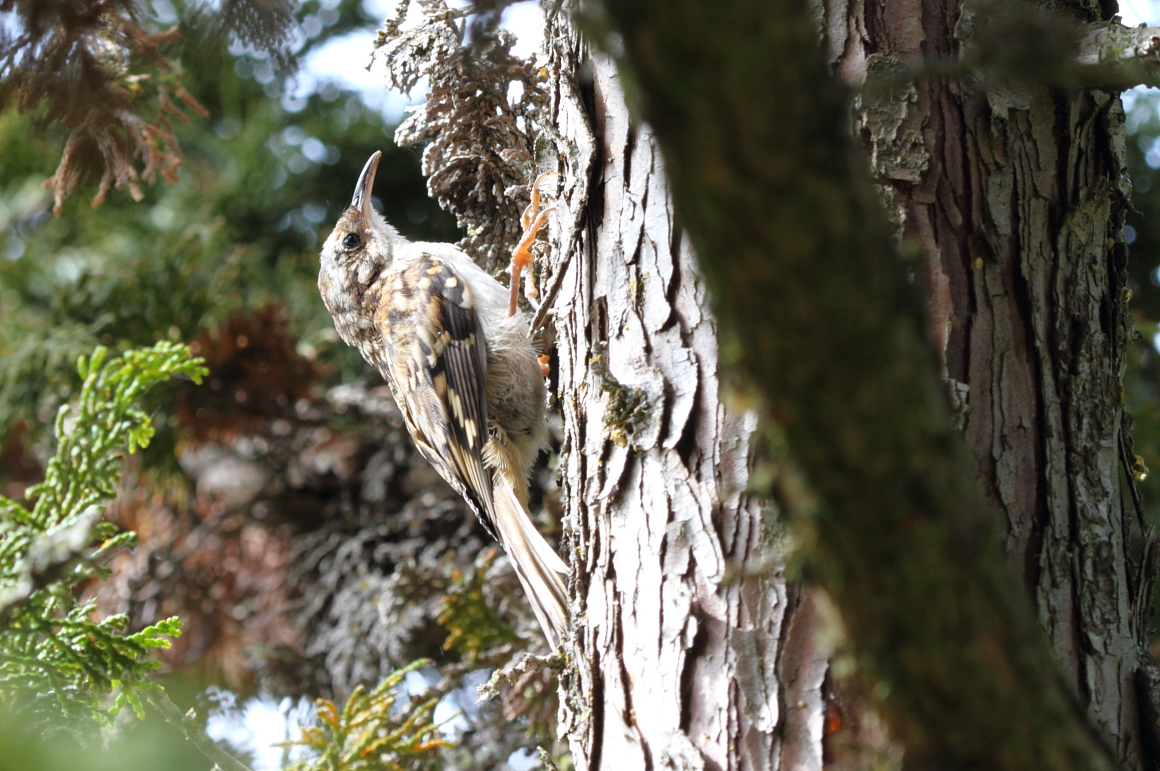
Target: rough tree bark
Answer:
[[1016, 193], [691, 649], [694, 651]]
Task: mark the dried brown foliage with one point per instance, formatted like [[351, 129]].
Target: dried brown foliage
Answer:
[[256, 375], [480, 153], [95, 68], [19, 469], [210, 551], [223, 573]]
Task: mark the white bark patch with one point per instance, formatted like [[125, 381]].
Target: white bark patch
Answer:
[[675, 666]]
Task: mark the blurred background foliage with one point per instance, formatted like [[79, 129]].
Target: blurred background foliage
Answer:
[[282, 512], [1142, 378]]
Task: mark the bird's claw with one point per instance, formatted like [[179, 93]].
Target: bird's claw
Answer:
[[533, 221]]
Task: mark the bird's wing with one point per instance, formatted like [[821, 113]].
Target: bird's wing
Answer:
[[436, 365]]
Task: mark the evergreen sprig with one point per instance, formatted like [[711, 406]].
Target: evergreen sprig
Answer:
[[370, 734], [472, 626], [54, 657], [103, 70]]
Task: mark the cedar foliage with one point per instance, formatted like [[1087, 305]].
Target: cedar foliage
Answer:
[[96, 69], [54, 656], [479, 145], [373, 731]]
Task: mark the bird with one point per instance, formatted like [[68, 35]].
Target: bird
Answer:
[[459, 360]]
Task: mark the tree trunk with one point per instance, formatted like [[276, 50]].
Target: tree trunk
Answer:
[[691, 649], [1016, 194], [694, 650]]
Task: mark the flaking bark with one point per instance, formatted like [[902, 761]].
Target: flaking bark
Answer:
[[684, 652], [812, 288], [1017, 193]]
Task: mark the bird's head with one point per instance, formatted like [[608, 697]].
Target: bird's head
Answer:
[[362, 243]]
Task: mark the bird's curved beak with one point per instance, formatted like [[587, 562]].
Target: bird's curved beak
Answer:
[[366, 183]]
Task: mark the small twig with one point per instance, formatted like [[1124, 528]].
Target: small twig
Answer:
[[557, 662], [547, 760], [193, 732], [453, 673]]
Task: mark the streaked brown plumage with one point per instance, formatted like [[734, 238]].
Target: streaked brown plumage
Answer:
[[462, 369]]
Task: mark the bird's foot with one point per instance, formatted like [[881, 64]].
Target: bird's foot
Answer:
[[533, 221]]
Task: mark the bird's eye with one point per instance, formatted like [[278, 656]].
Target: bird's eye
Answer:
[[351, 241]]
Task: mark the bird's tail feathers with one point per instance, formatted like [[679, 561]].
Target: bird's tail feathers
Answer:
[[537, 565]]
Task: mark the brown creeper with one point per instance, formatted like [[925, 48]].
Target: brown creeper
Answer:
[[462, 370]]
